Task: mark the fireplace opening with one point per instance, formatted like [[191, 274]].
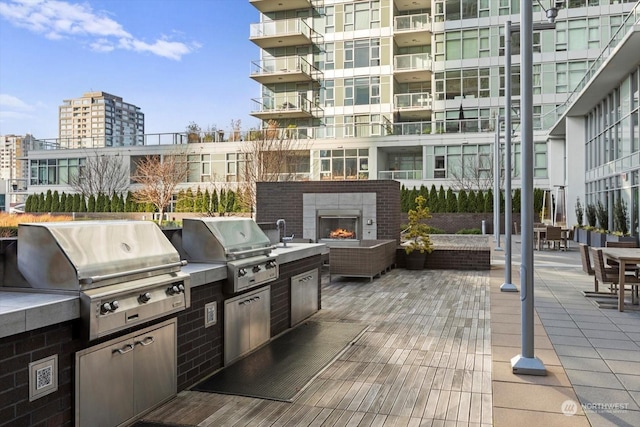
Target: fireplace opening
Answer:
[[338, 225]]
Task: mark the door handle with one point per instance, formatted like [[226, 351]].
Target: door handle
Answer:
[[145, 342], [126, 349]]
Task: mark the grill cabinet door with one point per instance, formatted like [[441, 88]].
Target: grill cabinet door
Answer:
[[304, 296], [155, 372], [104, 389], [260, 318], [236, 328]]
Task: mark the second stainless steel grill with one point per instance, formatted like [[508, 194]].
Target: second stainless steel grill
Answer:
[[237, 242]]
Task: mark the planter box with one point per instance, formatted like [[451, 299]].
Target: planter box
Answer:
[[597, 239], [580, 235], [614, 238]]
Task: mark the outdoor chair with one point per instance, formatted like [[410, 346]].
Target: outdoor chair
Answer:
[[587, 268], [607, 275], [553, 235]]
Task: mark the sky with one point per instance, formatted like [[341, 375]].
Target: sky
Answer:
[[180, 61]]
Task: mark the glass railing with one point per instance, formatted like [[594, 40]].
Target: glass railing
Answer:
[[419, 22], [413, 62], [281, 103], [397, 175], [421, 100], [281, 27], [286, 64]]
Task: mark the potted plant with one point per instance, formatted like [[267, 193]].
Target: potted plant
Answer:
[[621, 223], [417, 242], [580, 234], [590, 212], [599, 235]]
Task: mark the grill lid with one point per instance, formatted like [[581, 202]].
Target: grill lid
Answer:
[[223, 239], [88, 254]]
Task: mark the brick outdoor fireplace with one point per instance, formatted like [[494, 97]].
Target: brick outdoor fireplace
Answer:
[[351, 210]]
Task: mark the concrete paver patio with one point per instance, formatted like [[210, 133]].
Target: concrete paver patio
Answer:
[[437, 353]]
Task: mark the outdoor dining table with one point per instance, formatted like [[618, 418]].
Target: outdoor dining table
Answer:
[[541, 234], [625, 257]]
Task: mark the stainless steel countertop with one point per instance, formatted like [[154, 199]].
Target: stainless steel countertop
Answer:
[[22, 311]]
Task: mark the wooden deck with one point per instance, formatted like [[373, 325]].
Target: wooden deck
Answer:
[[425, 360]]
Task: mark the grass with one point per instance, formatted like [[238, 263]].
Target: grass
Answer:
[[9, 222]]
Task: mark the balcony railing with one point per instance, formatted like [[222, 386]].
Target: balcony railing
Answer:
[[412, 30], [284, 106], [283, 70], [417, 101], [283, 33], [398, 175], [414, 67]]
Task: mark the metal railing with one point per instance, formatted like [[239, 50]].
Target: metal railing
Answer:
[[398, 175], [282, 103], [418, 22], [282, 27]]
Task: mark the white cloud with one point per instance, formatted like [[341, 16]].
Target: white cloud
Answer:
[[58, 19], [13, 103]]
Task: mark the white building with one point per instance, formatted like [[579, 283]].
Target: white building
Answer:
[[412, 91]]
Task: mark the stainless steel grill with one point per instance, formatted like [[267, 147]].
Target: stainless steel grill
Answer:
[[126, 272], [237, 242]]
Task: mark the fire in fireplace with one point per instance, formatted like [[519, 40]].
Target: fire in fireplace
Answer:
[[339, 224]]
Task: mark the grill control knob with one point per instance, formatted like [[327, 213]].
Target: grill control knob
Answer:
[[242, 272], [105, 308], [143, 298], [181, 287], [256, 268], [172, 290], [114, 305], [271, 264]]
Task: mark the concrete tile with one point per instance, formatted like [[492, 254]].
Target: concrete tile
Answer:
[[615, 354], [503, 417], [584, 364], [598, 395], [599, 326], [532, 397], [578, 351], [555, 323], [556, 376], [570, 340], [613, 418], [624, 367], [506, 340], [594, 379], [614, 344], [594, 333], [630, 382]]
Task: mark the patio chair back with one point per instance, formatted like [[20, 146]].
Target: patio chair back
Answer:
[[554, 235], [621, 244], [603, 274], [586, 259]]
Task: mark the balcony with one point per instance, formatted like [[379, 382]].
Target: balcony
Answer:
[[283, 33], [404, 5], [414, 106], [266, 6], [412, 30], [414, 67], [283, 107], [289, 69]]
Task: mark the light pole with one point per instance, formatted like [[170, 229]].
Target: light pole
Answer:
[[496, 186], [507, 286], [526, 362]]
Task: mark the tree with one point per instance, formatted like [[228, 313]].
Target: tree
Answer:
[[48, 201], [463, 205], [101, 173], [158, 178], [474, 174], [55, 202], [273, 154], [452, 201]]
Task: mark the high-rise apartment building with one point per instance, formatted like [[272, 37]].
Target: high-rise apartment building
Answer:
[[99, 119], [414, 89]]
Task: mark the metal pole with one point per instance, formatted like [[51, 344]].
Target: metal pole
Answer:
[[496, 186], [507, 286], [526, 362]]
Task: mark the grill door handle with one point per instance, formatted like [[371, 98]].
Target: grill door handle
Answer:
[[145, 342], [126, 349], [94, 279]]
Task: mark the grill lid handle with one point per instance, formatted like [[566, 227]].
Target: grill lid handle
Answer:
[[94, 279]]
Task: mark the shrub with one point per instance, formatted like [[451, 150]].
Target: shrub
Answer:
[[620, 219], [579, 212], [469, 231], [603, 216], [591, 215]]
